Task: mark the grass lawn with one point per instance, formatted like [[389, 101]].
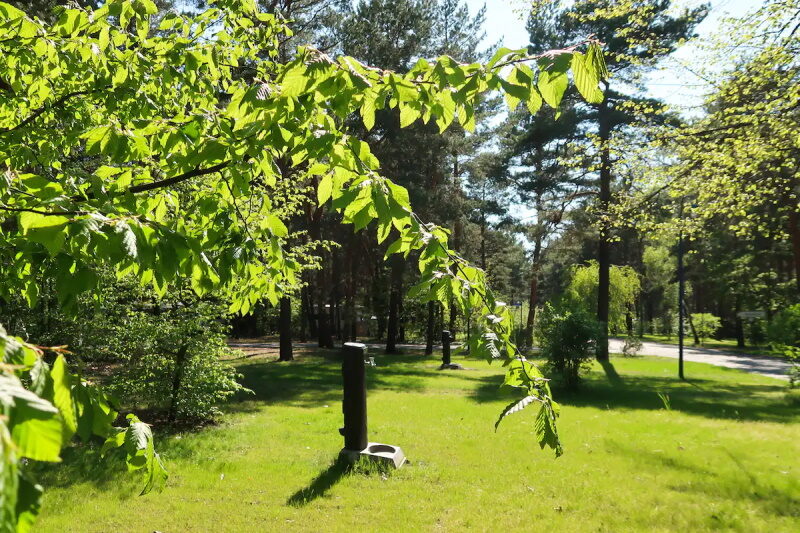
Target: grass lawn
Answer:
[[724, 457], [728, 345]]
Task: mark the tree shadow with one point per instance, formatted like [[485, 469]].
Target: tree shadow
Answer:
[[700, 397], [611, 373], [317, 379], [321, 484], [747, 487]]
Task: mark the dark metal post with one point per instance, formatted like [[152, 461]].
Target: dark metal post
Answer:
[[445, 347], [681, 290], [354, 400]]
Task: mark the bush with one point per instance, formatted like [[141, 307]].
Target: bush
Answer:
[[567, 338], [784, 328], [705, 325], [172, 362], [632, 346], [756, 333], [133, 341]]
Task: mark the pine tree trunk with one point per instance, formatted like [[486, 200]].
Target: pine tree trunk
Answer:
[[452, 321], [533, 301], [604, 245], [740, 340], [429, 329], [393, 326], [285, 330], [794, 232]]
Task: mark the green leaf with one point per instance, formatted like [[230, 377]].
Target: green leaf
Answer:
[[324, 189], [515, 407], [553, 80], [276, 226], [586, 79], [368, 111], [534, 101], [596, 61], [552, 87], [34, 422], [399, 194], [49, 231], [545, 428], [294, 80], [138, 441], [62, 396], [408, 114], [29, 503]]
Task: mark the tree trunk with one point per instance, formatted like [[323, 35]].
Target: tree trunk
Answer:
[[794, 232], [180, 363], [691, 325], [285, 330], [483, 241], [401, 319], [533, 300], [740, 341], [604, 244], [452, 322], [429, 329], [395, 296]]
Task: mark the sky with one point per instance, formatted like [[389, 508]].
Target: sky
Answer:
[[672, 83]]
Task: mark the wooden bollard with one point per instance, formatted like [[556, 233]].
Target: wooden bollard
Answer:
[[354, 399], [446, 347]]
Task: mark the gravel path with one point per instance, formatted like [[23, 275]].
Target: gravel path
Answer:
[[766, 366]]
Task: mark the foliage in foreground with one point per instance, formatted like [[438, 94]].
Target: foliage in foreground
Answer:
[[158, 153], [44, 406]]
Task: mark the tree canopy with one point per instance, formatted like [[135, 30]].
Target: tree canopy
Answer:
[[157, 151]]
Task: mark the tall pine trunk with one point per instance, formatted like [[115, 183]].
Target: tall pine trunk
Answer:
[[395, 297], [429, 329], [604, 244], [285, 330], [794, 232]]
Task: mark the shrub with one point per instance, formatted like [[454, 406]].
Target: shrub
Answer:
[[567, 337], [705, 325], [632, 346], [784, 328], [133, 341], [755, 331], [172, 362]]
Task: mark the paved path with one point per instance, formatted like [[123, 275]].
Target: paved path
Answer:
[[766, 366]]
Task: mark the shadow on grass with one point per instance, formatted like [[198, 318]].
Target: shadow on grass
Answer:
[[314, 380], [701, 397], [320, 484], [748, 486], [611, 373]]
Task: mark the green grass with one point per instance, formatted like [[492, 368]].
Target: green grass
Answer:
[[728, 345], [723, 457]]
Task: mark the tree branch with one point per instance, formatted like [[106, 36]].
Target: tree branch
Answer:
[[44, 108]]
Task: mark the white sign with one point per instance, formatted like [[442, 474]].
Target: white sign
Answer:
[[751, 314]]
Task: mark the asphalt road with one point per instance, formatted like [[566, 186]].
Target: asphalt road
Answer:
[[766, 366]]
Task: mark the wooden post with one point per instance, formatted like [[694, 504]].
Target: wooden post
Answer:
[[354, 399], [445, 347]]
